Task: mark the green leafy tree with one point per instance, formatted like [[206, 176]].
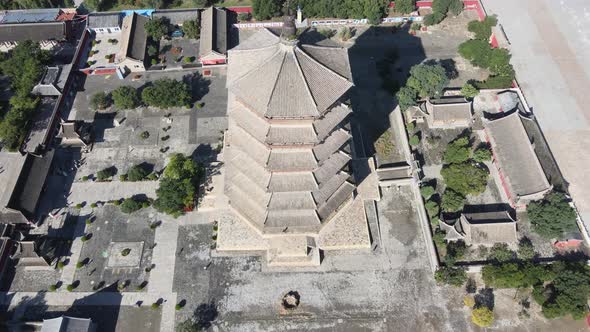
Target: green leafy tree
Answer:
[[166, 93], [192, 29], [266, 9], [94, 5], [482, 153], [432, 208], [157, 28], [455, 251], [428, 79], [427, 192], [570, 291], [526, 250], [465, 178], [552, 216], [452, 201], [105, 174], [178, 186], [482, 29], [374, 10], [450, 275], [455, 7], [482, 316], [406, 97], [501, 253], [100, 100], [405, 6], [469, 91], [125, 97], [458, 151], [433, 19], [137, 173], [130, 205]]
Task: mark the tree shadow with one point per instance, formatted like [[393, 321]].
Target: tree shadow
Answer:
[[205, 314], [485, 298], [198, 84]]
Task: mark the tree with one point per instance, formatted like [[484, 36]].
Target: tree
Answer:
[[406, 97], [428, 79], [157, 28], [94, 5], [482, 154], [569, 291], [456, 7], [433, 19], [426, 192], [192, 29], [100, 101], [526, 250], [501, 253], [130, 205], [482, 317], [414, 140], [482, 29], [152, 51], [374, 10], [178, 186], [455, 251], [345, 34], [405, 6], [125, 97], [469, 91], [458, 151], [465, 178], [166, 93], [452, 201], [552, 216], [450, 275], [137, 173], [432, 208], [266, 9]]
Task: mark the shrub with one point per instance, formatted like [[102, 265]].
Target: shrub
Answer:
[[144, 134], [345, 33], [71, 287], [84, 238], [384, 145], [433, 19], [123, 177], [526, 250], [178, 307], [427, 192], [439, 237], [188, 59], [52, 288], [60, 265], [79, 206], [145, 204], [125, 97], [88, 222], [155, 305], [105, 174], [468, 301], [414, 140], [482, 317], [137, 173], [80, 265], [454, 276], [157, 28], [130, 205], [410, 126], [152, 177], [100, 100], [117, 202], [469, 91], [85, 178], [125, 252], [244, 16], [415, 26], [483, 29], [93, 205]]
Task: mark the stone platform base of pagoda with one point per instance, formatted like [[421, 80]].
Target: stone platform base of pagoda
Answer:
[[347, 230]]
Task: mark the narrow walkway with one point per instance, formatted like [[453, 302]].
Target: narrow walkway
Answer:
[[105, 191], [69, 271]]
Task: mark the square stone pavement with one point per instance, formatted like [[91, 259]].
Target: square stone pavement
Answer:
[[110, 226], [117, 258]]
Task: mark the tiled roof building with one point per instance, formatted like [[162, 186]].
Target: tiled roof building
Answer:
[[287, 148]]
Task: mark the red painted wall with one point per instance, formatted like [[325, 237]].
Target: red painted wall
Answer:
[[213, 62], [245, 9]]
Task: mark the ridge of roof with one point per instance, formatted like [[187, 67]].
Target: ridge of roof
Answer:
[[307, 88]]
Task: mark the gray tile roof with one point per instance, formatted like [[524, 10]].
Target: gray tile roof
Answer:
[[33, 31], [134, 36], [515, 155], [104, 20], [449, 111], [286, 168], [177, 16], [67, 324], [488, 228], [214, 31]]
